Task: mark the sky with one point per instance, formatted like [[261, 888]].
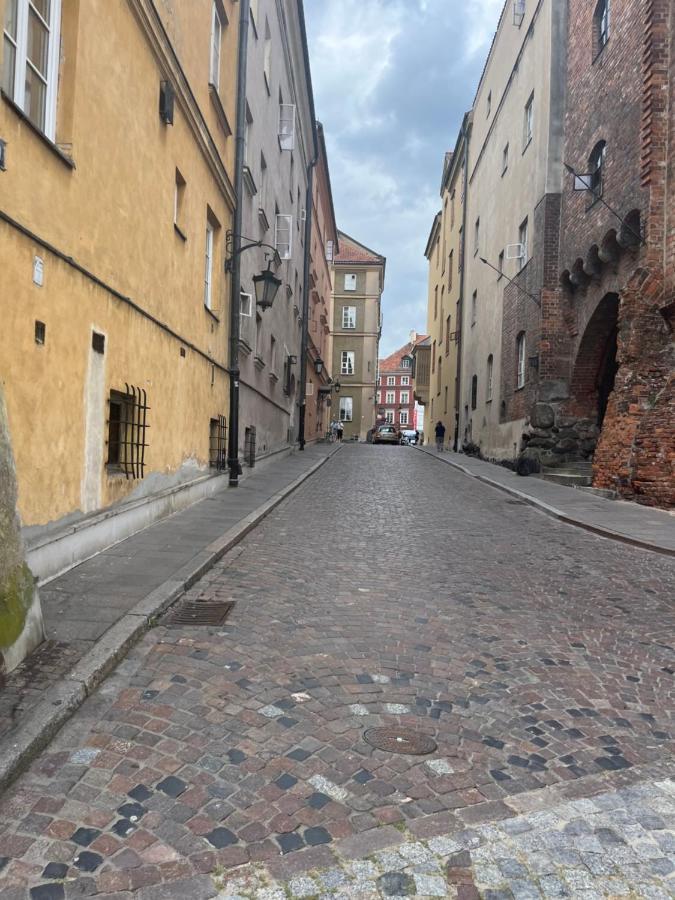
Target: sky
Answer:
[[392, 80]]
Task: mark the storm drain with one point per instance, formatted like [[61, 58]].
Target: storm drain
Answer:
[[400, 740], [199, 612]]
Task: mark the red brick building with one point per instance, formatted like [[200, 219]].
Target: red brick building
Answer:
[[606, 357], [396, 388]]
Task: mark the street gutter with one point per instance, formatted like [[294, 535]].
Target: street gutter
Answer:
[[61, 701]]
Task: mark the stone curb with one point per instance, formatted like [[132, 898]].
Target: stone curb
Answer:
[[552, 511], [63, 699]]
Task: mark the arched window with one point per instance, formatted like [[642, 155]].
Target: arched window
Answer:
[[474, 391], [601, 24], [520, 357], [488, 384], [596, 168]]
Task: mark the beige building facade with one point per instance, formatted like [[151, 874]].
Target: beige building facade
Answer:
[[116, 197], [514, 181], [358, 283]]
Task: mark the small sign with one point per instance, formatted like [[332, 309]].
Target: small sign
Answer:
[[38, 271]]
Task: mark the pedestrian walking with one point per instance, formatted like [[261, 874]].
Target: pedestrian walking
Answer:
[[340, 429], [440, 436]]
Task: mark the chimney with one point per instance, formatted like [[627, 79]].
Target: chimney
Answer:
[[413, 337]]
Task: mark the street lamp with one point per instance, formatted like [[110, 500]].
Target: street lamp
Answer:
[[318, 365], [266, 286]]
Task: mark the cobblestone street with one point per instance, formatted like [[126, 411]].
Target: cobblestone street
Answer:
[[387, 591]]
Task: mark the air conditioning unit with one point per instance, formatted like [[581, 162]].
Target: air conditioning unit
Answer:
[[515, 251], [518, 12]]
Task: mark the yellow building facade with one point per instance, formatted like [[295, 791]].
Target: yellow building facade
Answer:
[[445, 252], [115, 202]]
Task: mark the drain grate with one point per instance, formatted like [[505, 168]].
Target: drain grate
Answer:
[[400, 740], [199, 612]]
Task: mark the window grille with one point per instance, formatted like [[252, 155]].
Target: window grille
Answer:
[[127, 426], [249, 447], [218, 444]]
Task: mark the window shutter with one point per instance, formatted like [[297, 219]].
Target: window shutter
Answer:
[[287, 126], [283, 235]]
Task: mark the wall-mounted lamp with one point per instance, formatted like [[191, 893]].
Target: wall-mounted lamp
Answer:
[[318, 365], [266, 286]]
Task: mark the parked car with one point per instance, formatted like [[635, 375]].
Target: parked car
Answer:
[[387, 434], [409, 437]]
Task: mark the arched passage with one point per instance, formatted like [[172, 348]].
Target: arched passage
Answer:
[[596, 365]]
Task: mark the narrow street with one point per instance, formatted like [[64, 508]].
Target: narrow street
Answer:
[[538, 657]]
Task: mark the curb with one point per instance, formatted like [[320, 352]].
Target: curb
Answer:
[[552, 511], [62, 700]]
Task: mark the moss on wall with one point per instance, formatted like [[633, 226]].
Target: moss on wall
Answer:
[[16, 597]]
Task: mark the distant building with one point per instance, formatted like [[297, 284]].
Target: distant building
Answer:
[[421, 373], [358, 283], [396, 387]]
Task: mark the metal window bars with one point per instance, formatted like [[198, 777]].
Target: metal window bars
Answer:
[[218, 444], [127, 426]]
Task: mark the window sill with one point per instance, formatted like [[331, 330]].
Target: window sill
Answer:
[[245, 347], [47, 141], [259, 363], [179, 231], [504, 171], [274, 377], [520, 388], [212, 313]]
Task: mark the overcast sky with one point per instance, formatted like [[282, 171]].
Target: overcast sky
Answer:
[[392, 80]]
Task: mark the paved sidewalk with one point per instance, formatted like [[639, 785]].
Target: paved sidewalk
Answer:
[[82, 605], [653, 529]]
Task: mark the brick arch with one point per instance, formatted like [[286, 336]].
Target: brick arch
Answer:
[[595, 364]]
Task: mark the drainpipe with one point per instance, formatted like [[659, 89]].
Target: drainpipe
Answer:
[[466, 131], [309, 204], [235, 284]]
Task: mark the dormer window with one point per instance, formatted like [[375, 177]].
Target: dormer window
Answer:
[[406, 362]]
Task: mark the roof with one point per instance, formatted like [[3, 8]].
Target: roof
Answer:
[[351, 251], [392, 363], [433, 234]]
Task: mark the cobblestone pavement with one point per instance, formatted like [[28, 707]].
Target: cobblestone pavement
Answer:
[[388, 590]]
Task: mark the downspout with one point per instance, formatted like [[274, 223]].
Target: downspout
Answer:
[[235, 284], [309, 204], [466, 129]]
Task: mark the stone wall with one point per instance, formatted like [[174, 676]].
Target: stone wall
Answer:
[[21, 628]]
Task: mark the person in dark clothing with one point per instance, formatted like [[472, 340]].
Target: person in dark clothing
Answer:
[[439, 431]]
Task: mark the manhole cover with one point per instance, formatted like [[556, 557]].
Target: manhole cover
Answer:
[[195, 612], [400, 740]]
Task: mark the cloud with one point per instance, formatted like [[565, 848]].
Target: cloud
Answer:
[[392, 80]]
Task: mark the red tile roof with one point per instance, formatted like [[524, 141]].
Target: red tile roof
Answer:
[[353, 252], [392, 363]]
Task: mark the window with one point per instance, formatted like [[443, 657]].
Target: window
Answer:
[[500, 264], [445, 401], [347, 363], [246, 305], [273, 355], [476, 236], [217, 444], [460, 258], [451, 265], [349, 317], [254, 14], [178, 201], [287, 127], [379, 396], [433, 357], [405, 380], [329, 251], [40, 332], [350, 282], [452, 209], [346, 409], [436, 302], [520, 356], [403, 417], [390, 397], [596, 165], [474, 306], [405, 362], [267, 56], [31, 59], [391, 380], [440, 373], [127, 423], [447, 335], [283, 235], [405, 398], [216, 38], [208, 266], [389, 417], [529, 121], [488, 105], [505, 159], [601, 24], [474, 391], [488, 388], [522, 240]]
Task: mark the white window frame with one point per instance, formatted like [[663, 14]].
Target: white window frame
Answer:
[[528, 131], [405, 380], [347, 362], [287, 126], [246, 305], [283, 235], [405, 398], [520, 354], [403, 417], [405, 363], [522, 240], [329, 251], [17, 91], [346, 409], [350, 282], [208, 266], [389, 417], [391, 380], [390, 398], [349, 317], [379, 397], [216, 45]]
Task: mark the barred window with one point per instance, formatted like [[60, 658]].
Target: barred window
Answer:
[[127, 424]]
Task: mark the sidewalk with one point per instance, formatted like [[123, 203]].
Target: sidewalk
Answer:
[[640, 526], [96, 611]]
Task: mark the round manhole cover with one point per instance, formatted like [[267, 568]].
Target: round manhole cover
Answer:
[[400, 740]]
